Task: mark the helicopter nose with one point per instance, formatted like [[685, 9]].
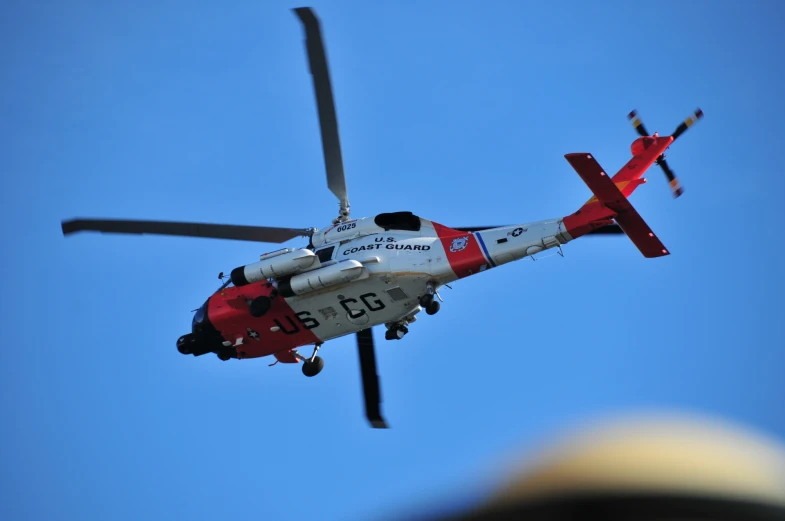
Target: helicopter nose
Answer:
[[200, 319]]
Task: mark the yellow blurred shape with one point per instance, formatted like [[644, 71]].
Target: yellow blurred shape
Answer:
[[663, 454]]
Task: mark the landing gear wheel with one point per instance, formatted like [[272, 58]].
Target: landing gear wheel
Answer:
[[313, 368], [426, 300], [396, 333], [224, 355], [259, 306], [433, 307]]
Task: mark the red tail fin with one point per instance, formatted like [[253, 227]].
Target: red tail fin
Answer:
[[610, 198]]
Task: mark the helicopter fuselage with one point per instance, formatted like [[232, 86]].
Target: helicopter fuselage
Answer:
[[358, 274]]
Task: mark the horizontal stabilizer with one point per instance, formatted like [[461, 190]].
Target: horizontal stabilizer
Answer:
[[609, 195]]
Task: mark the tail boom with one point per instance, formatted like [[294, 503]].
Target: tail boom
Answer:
[[653, 147]]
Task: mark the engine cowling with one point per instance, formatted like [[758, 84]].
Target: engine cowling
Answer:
[[325, 277], [275, 266]]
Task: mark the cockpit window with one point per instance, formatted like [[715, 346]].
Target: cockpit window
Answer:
[[398, 221], [200, 314], [325, 254]]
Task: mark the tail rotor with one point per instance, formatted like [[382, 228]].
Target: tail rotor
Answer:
[[673, 181]]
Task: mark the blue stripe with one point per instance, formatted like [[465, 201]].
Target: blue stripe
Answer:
[[484, 249]]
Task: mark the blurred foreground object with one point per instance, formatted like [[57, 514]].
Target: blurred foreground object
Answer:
[[646, 468]]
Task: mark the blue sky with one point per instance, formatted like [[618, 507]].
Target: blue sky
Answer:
[[460, 112]]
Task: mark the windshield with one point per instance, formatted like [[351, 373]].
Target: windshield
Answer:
[[200, 314]]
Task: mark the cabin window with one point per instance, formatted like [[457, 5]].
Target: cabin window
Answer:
[[398, 221], [325, 254]]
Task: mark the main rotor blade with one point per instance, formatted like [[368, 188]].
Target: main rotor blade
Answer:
[[370, 378], [328, 121], [611, 229], [187, 229], [478, 228]]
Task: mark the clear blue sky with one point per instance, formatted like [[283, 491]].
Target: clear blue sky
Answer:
[[460, 112]]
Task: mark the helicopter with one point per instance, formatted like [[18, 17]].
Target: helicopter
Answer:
[[384, 270]]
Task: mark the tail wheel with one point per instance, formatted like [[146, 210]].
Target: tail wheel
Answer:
[[312, 368]]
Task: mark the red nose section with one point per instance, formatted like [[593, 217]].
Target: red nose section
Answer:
[[271, 328]]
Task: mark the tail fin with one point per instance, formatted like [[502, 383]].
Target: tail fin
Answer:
[[610, 197]]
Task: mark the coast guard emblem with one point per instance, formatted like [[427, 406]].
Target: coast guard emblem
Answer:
[[459, 244]]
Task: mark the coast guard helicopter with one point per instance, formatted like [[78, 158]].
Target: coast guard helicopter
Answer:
[[383, 270]]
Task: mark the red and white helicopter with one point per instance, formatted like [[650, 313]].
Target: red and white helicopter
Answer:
[[383, 270]]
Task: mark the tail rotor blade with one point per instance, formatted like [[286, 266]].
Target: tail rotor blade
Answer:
[[370, 378], [687, 123], [673, 181], [637, 123], [325, 102]]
